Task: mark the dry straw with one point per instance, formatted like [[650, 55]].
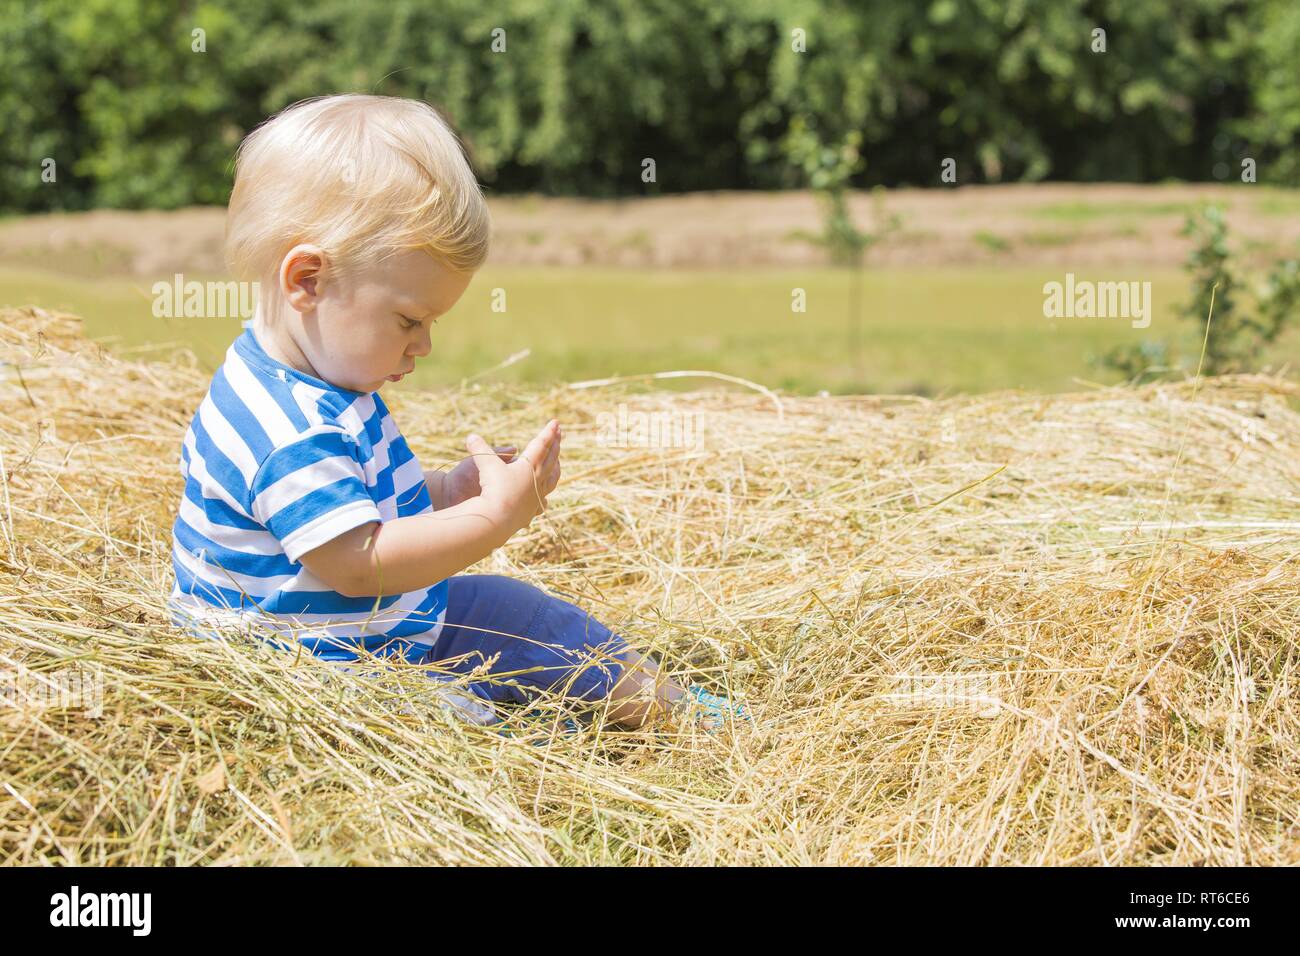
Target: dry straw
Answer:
[[1002, 629]]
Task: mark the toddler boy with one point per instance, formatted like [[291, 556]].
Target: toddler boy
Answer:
[[304, 508]]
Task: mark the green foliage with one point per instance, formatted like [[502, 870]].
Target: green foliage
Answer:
[[1010, 89], [1148, 359], [992, 241], [1272, 36], [1278, 301], [828, 170], [1235, 336], [1214, 288]]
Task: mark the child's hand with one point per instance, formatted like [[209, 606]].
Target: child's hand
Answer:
[[519, 489], [462, 482]]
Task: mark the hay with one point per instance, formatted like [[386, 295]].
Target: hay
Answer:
[[999, 629]]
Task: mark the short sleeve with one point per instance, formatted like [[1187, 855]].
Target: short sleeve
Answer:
[[311, 490]]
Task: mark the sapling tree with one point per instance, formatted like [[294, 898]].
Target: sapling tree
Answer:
[[828, 169]]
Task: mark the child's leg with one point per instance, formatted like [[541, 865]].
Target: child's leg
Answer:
[[643, 693], [542, 642]]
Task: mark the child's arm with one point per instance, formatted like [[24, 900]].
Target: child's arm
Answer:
[[407, 554]]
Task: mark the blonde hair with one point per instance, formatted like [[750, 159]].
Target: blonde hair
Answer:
[[363, 177]]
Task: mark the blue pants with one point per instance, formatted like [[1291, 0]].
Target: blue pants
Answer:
[[540, 641]]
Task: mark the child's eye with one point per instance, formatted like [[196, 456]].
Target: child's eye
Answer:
[[410, 323]]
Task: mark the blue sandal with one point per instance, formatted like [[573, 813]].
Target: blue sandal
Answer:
[[710, 710]]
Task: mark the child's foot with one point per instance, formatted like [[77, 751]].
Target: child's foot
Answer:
[[467, 706], [461, 702], [708, 710]]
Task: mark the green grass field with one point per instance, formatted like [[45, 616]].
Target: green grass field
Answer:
[[932, 330]]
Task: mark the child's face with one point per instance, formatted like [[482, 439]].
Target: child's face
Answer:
[[362, 330]]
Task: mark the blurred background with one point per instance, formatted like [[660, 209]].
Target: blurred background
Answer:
[[816, 196]]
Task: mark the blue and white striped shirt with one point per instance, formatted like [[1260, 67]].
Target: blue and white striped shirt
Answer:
[[277, 463]]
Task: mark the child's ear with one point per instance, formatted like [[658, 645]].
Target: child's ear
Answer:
[[302, 272]]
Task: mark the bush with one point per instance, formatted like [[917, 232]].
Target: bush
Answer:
[[1234, 338], [587, 89]]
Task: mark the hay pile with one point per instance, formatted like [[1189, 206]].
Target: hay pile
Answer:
[[999, 629]]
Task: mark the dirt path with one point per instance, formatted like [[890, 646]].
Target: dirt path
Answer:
[[1063, 225]]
